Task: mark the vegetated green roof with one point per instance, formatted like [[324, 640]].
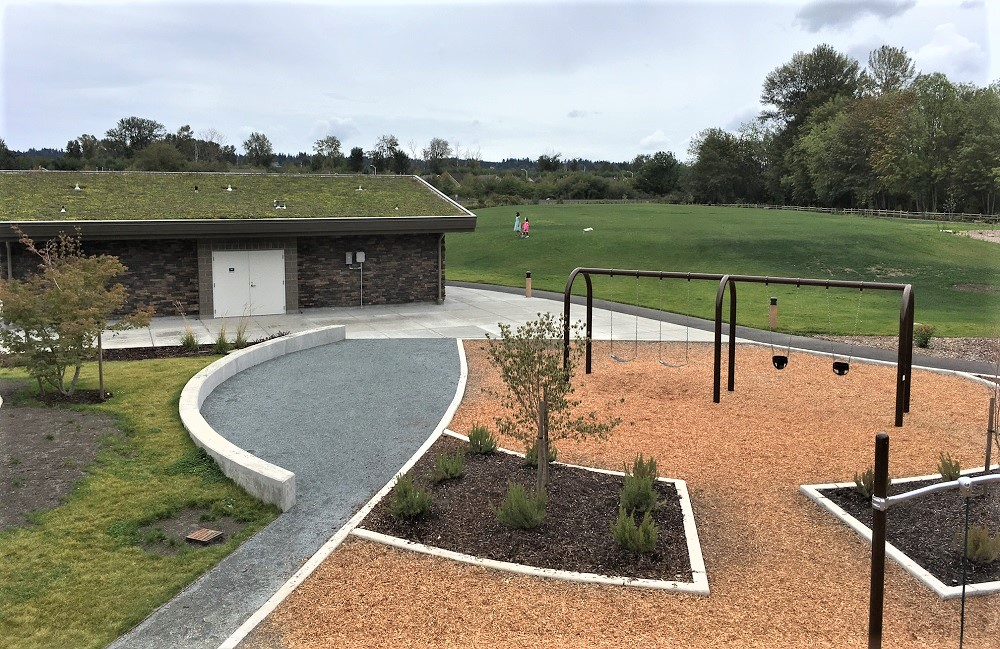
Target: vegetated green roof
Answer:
[[42, 195]]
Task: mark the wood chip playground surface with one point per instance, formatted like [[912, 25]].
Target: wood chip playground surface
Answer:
[[782, 572]]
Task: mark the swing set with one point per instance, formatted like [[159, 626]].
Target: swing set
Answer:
[[904, 357]]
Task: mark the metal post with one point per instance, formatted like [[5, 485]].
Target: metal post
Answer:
[[990, 431], [877, 589], [100, 367], [590, 321]]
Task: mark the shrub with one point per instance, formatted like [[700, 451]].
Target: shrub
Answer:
[[531, 453], [241, 333], [521, 510], [949, 469], [481, 441], [638, 539], [638, 494], [449, 466], [188, 342], [982, 548], [922, 334], [409, 502], [864, 484], [222, 346]]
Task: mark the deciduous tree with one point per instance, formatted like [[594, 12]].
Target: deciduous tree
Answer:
[[258, 150], [55, 315], [538, 400]]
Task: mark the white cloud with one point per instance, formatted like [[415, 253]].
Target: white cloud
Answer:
[[950, 52], [656, 140], [841, 14]]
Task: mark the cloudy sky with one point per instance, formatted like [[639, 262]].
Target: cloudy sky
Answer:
[[599, 80]]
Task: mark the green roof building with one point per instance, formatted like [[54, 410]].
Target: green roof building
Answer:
[[231, 244]]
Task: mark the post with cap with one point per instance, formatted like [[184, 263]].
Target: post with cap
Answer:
[[527, 284]]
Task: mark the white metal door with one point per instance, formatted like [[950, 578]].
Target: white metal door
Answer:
[[248, 282], [231, 282], [267, 281]]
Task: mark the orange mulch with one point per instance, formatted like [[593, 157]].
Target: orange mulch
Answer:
[[782, 573]]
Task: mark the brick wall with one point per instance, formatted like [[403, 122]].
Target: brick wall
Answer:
[[397, 269]]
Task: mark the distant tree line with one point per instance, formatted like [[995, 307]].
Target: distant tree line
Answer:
[[831, 134], [835, 135]]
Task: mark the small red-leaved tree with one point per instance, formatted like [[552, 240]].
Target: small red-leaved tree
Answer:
[[538, 399], [53, 317]]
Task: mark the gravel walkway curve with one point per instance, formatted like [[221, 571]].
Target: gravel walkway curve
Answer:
[[343, 417]]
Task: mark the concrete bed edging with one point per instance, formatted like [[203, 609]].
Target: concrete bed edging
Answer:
[[699, 575], [260, 478], [943, 591]]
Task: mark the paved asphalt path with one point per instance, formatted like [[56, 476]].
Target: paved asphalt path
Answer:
[[344, 417]]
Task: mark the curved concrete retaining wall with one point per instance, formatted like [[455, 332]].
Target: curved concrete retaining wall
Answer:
[[264, 480]]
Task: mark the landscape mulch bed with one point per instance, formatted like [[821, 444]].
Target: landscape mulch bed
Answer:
[[575, 535], [930, 529], [782, 572]]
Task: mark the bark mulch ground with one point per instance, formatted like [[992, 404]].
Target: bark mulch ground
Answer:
[[575, 535], [782, 572]]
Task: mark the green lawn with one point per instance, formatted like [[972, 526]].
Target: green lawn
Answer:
[[750, 242], [75, 577], [32, 196]]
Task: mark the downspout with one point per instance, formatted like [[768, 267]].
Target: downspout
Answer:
[[440, 297]]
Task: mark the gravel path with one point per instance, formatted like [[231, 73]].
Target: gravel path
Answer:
[[344, 418]]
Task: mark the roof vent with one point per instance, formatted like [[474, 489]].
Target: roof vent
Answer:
[[77, 188], [359, 189], [63, 210], [229, 189], [196, 187]]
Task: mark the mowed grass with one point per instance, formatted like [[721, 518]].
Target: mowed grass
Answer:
[[956, 279], [74, 577], [32, 196]]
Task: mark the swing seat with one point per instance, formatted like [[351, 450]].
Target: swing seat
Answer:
[[620, 359], [841, 368], [674, 365], [779, 362]]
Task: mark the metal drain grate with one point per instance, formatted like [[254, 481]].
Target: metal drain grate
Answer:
[[204, 536]]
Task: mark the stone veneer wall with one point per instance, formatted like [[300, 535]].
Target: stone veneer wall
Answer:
[[398, 269], [159, 273]]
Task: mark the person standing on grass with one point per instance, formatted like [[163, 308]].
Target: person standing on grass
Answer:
[[525, 228], [517, 224]]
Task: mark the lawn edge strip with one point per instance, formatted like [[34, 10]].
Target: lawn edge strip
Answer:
[[812, 491], [334, 542], [699, 576]]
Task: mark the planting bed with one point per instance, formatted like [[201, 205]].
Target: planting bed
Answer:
[[782, 572]]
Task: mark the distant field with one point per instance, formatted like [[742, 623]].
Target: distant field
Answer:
[[33, 196], [956, 279]]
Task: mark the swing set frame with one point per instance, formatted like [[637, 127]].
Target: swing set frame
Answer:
[[904, 349]]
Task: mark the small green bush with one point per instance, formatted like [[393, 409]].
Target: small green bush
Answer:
[[531, 453], [637, 539], [449, 466], [982, 548], [241, 333], [409, 502], [188, 342], [222, 346], [481, 441], [949, 469], [638, 494], [922, 334], [521, 510], [864, 484]]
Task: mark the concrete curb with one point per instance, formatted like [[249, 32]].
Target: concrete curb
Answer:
[[261, 479], [321, 555], [699, 576], [909, 565]]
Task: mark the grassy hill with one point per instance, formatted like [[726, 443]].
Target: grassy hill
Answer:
[[956, 279], [37, 195]]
